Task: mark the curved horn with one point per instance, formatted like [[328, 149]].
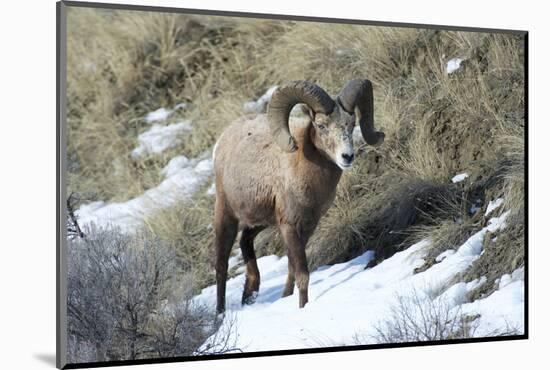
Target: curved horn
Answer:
[[286, 97], [357, 97]]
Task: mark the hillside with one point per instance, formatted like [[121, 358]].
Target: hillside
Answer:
[[425, 231]]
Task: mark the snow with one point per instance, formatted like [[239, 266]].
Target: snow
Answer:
[[212, 189], [502, 310], [453, 65], [159, 115], [494, 204], [159, 138], [442, 256], [175, 165], [260, 105], [498, 223], [507, 278], [162, 114], [460, 177], [458, 293], [182, 178], [346, 299]]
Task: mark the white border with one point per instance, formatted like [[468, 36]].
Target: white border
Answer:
[[28, 181]]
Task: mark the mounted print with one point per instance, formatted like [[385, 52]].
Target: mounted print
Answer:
[[236, 185]]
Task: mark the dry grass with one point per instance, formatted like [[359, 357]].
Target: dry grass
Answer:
[[373, 213], [448, 225], [123, 64], [420, 157], [188, 229], [513, 145]]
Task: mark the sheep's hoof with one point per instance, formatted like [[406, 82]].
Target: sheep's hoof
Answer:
[[287, 293], [371, 264], [249, 298], [220, 316]]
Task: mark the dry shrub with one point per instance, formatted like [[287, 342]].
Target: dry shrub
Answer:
[[419, 318], [125, 302]]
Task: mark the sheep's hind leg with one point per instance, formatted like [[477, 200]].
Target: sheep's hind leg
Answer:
[[252, 281], [226, 227]]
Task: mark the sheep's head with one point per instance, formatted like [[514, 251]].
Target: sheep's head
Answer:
[[333, 120], [334, 135]]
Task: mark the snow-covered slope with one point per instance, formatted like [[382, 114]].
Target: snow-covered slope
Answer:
[[347, 301], [182, 178]]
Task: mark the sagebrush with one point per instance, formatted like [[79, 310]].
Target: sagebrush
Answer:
[[125, 302]]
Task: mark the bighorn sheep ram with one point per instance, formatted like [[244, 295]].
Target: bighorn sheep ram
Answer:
[[266, 176]]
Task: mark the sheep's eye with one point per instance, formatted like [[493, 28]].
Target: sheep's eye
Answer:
[[321, 127]]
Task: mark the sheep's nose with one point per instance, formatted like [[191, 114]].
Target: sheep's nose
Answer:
[[348, 158]]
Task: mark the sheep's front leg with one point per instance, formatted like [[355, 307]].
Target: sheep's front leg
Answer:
[[289, 285], [296, 247]]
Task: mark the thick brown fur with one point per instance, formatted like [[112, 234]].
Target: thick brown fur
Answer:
[[258, 185]]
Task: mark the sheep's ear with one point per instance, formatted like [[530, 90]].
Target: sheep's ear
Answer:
[[310, 112]]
